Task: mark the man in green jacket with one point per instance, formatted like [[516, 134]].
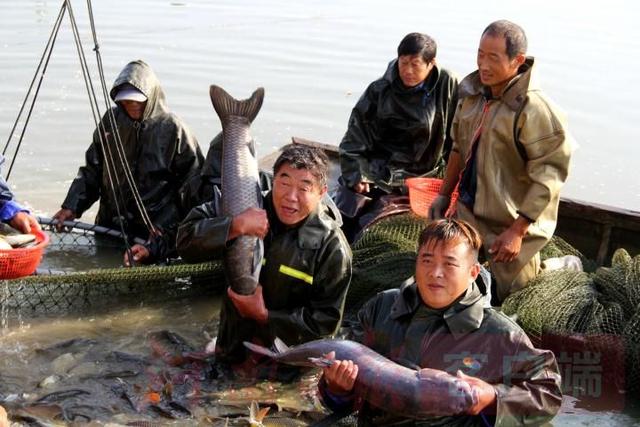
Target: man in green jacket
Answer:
[[399, 128], [162, 154], [510, 157], [439, 319], [306, 266]]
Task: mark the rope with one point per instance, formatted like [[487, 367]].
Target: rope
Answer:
[[118, 142], [46, 53], [95, 111]]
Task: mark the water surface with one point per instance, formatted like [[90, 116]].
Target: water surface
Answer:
[[314, 58]]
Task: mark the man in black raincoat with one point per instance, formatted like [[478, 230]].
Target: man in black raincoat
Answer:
[[306, 267], [439, 319], [162, 154], [399, 128]]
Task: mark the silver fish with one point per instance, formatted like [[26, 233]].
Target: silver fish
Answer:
[[240, 183], [382, 382]]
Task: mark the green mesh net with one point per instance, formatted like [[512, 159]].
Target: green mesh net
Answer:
[[600, 309], [384, 256], [71, 280], [573, 313]]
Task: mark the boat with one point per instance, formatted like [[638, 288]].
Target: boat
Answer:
[[595, 230]]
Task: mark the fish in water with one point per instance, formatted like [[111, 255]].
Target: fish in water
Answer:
[[174, 349], [240, 184], [381, 382]]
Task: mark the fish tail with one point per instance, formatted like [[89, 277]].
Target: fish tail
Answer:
[[226, 105]]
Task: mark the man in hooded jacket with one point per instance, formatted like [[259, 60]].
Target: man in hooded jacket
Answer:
[[510, 158], [162, 154], [398, 129]]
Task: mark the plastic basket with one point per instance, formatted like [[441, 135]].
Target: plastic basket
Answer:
[[423, 191], [21, 262]]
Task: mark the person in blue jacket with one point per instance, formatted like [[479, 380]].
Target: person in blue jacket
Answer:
[[12, 212]]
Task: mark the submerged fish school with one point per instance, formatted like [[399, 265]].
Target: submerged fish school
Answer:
[[434, 233]]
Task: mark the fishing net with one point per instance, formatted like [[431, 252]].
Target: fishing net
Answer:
[[596, 312], [80, 271], [384, 256], [577, 314]]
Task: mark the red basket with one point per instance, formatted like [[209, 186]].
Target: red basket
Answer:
[[423, 191], [21, 262]]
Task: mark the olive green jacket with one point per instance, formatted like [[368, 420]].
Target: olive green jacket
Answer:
[[467, 337], [305, 275], [395, 132], [162, 154], [522, 158]]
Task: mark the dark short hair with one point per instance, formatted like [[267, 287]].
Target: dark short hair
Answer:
[[451, 230], [304, 157], [513, 34], [418, 43]]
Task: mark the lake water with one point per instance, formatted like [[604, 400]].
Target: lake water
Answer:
[[314, 58]]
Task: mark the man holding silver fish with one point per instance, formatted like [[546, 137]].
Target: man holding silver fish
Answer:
[[306, 266], [439, 319]]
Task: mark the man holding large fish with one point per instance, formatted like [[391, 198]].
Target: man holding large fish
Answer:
[[439, 320], [296, 286]]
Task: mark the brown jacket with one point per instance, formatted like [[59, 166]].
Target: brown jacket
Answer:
[[521, 165]]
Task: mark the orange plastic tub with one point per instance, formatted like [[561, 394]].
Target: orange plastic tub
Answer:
[[21, 262]]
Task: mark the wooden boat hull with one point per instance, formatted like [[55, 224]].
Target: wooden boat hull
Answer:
[[595, 230]]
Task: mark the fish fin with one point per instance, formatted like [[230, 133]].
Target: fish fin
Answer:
[[260, 349], [256, 415], [321, 362], [280, 346], [226, 105], [258, 255]]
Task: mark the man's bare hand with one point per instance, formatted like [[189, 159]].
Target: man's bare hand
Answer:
[[63, 215], [250, 306], [485, 393], [340, 376], [139, 253], [507, 245], [250, 222], [24, 222]]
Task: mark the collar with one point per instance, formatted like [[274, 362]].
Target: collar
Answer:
[[462, 317], [514, 93]]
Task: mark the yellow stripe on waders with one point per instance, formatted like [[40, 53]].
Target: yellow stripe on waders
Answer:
[[296, 274]]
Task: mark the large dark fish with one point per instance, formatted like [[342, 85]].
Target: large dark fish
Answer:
[[173, 349], [240, 183], [381, 382]]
